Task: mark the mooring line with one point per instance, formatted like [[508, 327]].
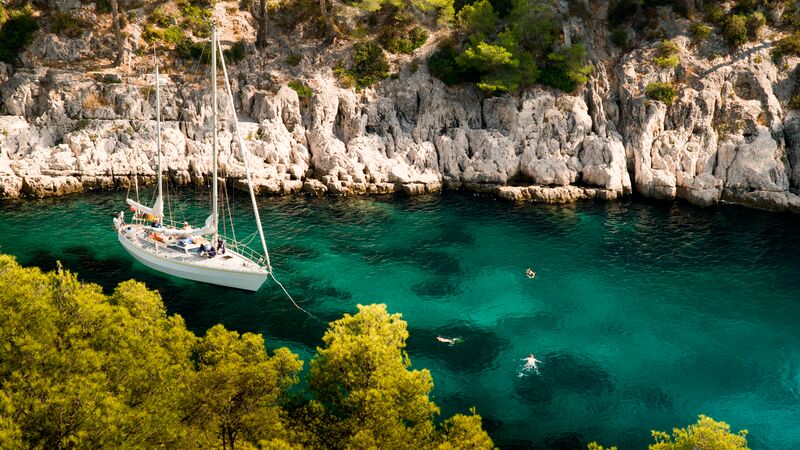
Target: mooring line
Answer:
[[272, 274]]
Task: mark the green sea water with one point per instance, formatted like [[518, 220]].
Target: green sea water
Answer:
[[643, 314]]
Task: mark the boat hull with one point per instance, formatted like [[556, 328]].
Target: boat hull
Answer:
[[249, 281]]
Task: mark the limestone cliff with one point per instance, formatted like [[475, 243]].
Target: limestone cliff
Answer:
[[729, 136]]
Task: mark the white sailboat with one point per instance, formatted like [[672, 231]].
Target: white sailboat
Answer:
[[199, 254]]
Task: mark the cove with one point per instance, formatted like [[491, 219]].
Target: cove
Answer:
[[644, 314]]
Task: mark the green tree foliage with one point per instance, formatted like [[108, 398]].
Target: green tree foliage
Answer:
[[700, 31], [667, 54], [444, 8], [755, 24], [565, 69], [791, 16], [235, 53], [442, 64], [16, 33], [478, 18], [367, 396], [304, 91], [596, 446], [534, 25], [620, 38], [465, 432], [663, 92], [485, 57], [735, 30], [715, 13], [396, 40], [238, 387], [502, 56], [82, 369], [66, 24], [369, 64], [706, 434], [790, 45]]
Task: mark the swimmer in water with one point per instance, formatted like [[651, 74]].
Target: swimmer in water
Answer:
[[530, 273], [449, 341], [530, 364]]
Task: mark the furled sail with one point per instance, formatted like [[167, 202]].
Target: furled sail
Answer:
[[156, 211]]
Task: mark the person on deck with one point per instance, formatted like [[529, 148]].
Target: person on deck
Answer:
[[221, 246]]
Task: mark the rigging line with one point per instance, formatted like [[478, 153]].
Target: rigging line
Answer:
[[224, 227], [230, 209], [272, 274], [169, 202]]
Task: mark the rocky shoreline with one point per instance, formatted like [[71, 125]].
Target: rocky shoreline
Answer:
[[729, 136]]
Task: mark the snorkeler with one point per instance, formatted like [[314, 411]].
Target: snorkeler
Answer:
[[449, 341], [530, 273]]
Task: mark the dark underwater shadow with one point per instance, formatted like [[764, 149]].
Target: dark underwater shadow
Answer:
[[436, 288], [562, 373], [478, 350]]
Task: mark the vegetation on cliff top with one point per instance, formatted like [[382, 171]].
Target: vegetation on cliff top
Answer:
[[500, 45]]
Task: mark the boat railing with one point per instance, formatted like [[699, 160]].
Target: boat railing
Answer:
[[245, 250], [231, 244]]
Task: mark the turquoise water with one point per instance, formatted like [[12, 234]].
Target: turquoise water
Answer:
[[644, 315]]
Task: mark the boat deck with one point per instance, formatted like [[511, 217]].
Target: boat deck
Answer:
[[189, 255]]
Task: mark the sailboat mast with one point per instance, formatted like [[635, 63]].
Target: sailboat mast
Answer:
[[214, 187], [158, 136], [240, 141]]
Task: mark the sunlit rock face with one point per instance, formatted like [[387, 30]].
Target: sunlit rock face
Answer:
[[729, 135]]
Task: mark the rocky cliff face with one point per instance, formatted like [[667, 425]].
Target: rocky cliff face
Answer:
[[728, 137]]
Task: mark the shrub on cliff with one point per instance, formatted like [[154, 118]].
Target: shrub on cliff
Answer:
[[442, 64], [788, 46], [236, 53], [735, 30], [304, 91], [791, 16], [65, 24], [503, 56], [566, 69], [755, 24], [700, 31], [715, 14], [667, 54], [16, 33], [403, 41], [368, 64], [478, 18], [620, 38], [196, 17], [663, 92]]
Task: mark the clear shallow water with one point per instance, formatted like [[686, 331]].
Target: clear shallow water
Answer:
[[644, 315]]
